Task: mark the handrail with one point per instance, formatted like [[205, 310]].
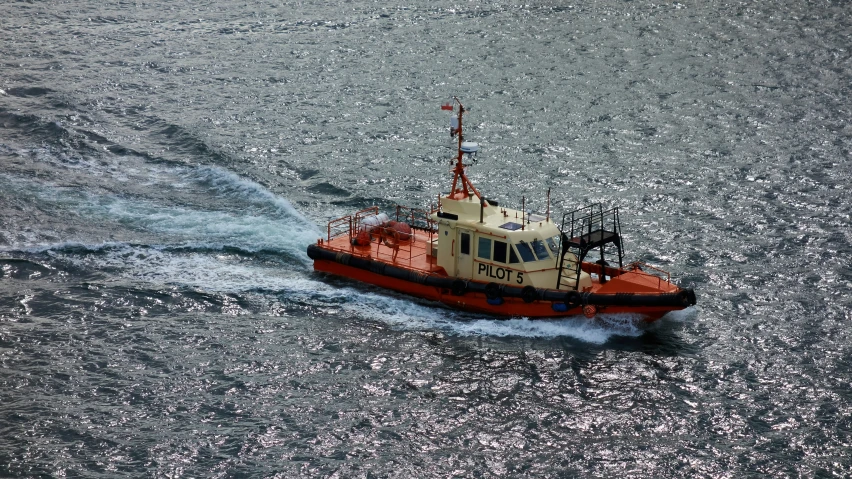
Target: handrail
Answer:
[[419, 220], [416, 218], [638, 266], [360, 215], [337, 226]]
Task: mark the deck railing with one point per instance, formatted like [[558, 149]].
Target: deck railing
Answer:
[[339, 227], [423, 230], [640, 267]]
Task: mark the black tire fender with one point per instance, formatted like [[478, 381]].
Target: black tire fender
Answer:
[[459, 287], [690, 294], [493, 291], [529, 294], [683, 297], [572, 299]]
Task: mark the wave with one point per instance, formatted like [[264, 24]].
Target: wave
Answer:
[[227, 184], [248, 217], [246, 241], [75, 132], [244, 273], [405, 313], [185, 267]]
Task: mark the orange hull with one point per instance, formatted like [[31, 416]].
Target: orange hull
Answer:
[[478, 302], [371, 264]]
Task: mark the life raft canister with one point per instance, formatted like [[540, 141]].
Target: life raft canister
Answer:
[[363, 238], [404, 230]]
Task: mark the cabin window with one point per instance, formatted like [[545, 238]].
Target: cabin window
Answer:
[[464, 244], [513, 257], [540, 250], [484, 249], [553, 244], [525, 251], [500, 251]]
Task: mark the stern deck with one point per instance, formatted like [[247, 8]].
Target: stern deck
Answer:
[[414, 253]]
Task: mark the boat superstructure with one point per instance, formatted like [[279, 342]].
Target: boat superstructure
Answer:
[[470, 253]]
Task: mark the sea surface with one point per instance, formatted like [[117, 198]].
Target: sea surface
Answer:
[[163, 166]]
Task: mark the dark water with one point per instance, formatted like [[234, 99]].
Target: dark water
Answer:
[[165, 165]]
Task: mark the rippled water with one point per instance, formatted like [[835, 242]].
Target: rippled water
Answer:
[[164, 167]]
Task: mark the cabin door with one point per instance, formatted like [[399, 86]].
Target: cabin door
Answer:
[[464, 254]]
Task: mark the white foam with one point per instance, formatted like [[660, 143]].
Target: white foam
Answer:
[[264, 221], [259, 220], [215, 229], [225, 273], [201, 271], [682, 316], [407, 314], [229, 184], [578, 327]]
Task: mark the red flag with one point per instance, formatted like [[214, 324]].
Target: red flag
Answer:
[[447, 106]]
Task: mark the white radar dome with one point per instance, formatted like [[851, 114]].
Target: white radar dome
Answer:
[[469, 147]]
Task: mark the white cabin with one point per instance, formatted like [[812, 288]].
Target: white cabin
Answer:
[[484, 242]]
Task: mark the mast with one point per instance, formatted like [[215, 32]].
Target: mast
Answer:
[[458, 170]]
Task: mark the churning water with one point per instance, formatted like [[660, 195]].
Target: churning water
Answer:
[[164, 167]]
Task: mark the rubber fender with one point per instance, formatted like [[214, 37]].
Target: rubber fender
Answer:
[[377, 267], [493, 291], [314, 252], [635, 299], [691, 295], [361, 263], [529, 294], [417, 277], [683, 296], [553, 295], [510, 291], [343, 258], [572, 299], [438, 282], [459, 287]]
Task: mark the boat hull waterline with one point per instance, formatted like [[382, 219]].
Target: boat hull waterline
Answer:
[[469, 295]]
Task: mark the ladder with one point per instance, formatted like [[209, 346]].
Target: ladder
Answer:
[[584, 230]]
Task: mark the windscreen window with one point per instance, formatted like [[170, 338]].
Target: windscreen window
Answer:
[[540, 250], [553, 244], [513, 257], [525, 251]]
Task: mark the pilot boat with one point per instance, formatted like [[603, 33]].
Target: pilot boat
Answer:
[[470, 253]]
